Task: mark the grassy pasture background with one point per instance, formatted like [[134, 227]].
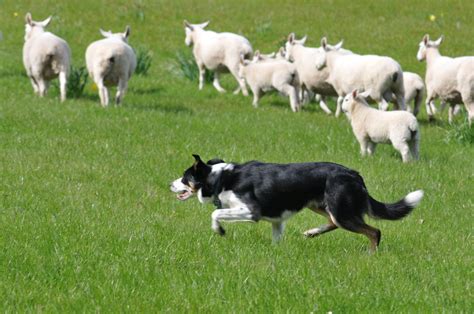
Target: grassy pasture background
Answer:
[[88, 223]]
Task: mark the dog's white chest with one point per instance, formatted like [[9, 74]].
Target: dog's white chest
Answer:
[[230, 200]]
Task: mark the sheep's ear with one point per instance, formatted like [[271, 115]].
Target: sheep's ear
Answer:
[[303, 40], [365, 94], [439, 40], [46, 22], [271, 55], [355, 93], [324, 42], [104, 33], [426, 39], [127, 31], [339, 45], [281, 51], [28, 19], [204, 25], [188, 25], [256, 54], [291, 38]]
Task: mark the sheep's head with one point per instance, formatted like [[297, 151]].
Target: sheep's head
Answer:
[[120, 36], [325, 48], [281, 54], [292, 41], [427, 43], [352, 99], [190, 29], [32, 27], [258, 57]]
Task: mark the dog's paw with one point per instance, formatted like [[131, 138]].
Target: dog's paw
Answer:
[[219, 230]]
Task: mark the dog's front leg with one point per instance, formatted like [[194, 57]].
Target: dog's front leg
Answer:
[[231, 215], [277, 231]]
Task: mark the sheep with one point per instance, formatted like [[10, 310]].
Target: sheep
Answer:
[[311, 80], [263, 76], [372, 126], [414, 91], [450, 79], [45, 57], [383, 76], [217, 52], [111, 62]]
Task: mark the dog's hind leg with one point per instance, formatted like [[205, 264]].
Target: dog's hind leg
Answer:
[[359, 226], [320, 230]]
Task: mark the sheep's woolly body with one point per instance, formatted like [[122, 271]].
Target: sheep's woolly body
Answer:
[[217, 52], [278, 75], [111, 62], [372, 126], [45, 57]]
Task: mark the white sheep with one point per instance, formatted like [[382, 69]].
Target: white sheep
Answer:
[[414, 91], [450, 79], [217, 52], [263, 76], [383, 76], [372, 126], [111, 62], [45, 56], [311, 80]]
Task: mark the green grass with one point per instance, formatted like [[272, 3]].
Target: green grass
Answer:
[[86, 217]]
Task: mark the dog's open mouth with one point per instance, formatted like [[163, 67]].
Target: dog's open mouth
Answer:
[[184, 195]]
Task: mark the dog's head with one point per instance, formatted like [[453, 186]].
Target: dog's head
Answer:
[[194, 178]]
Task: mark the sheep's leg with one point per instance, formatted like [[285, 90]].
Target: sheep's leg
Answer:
[[457, 109], [34, 84], [417, 102], [42, 87], [383, 104], [202, 72], [62, 84], [470, 111], [303, 95], [103, 94], [429, 100], [450, 113], [433, 107], [257, 93], [235, 72], [340, 99], [121, 89], [323, 105], [217, 84], [403, 148], [363, 146], [291, 92], [371, 148]]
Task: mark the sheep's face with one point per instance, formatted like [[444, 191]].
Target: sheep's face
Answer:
[[324, 49], [33, 27], [351, 100], [190, 29], [118, 36], [425, 44], [289, 45]]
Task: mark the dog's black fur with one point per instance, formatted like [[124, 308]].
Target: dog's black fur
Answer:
[[270, 189]]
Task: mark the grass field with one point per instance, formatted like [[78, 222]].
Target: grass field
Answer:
[[88, 223]]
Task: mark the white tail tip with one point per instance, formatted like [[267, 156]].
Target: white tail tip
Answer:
[[414, 198]]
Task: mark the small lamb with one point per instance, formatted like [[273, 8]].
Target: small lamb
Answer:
[[263, 76], [372, 126], [111, 62], [383, 76], [45, 56], [217, 52], [450, 79]]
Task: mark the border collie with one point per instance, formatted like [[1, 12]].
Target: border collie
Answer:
[[256, 191]]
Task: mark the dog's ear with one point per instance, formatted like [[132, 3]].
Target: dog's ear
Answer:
[[197, 161], [215, 161]]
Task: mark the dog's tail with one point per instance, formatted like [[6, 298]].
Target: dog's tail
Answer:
[[397, 210]]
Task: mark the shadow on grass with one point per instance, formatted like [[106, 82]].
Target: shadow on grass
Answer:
[[167, 108]]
